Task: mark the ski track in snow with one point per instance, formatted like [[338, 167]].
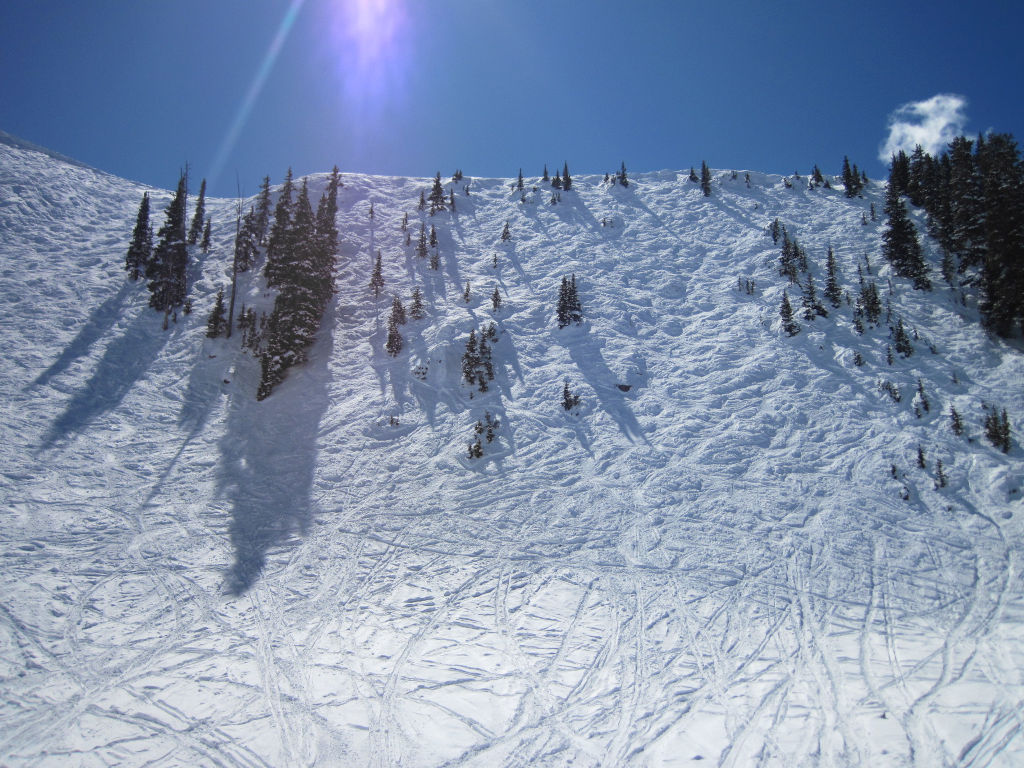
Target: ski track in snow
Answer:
[[707, 565]]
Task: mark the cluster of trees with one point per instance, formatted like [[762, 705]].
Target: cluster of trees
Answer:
[[301, 250], [973, 194], [165, 265], [569, 308], [854, 180], [477, 366]]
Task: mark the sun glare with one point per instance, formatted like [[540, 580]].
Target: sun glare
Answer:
[[370, 48]]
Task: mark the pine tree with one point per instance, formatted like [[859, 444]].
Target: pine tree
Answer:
[[900, 340], [466, 293], [278, 246], [519, 181], [377, 277], [421, 243], [705, 179], [470, 359], [956, 423], [557, 181], [812, 307], [261, 221], [505, 233], [693, 175], [199, 217], [789, 325], [545, 177], [416, 311], [566, 178], [246, 241], [833, 292], [433, 236], [217, 323], [393, 345], [168, 268], [207, 235], [141, 249], [900, 244], [920, 457], [623, 179], [437, 201], [398, 311], [941, 481], [569, 399], [496, 299]]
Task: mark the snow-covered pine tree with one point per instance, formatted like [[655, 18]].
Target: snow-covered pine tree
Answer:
[[705, 179], [141, 249], [207, 235], [496, 299], [393, 345], [505, 233], [566, 178]]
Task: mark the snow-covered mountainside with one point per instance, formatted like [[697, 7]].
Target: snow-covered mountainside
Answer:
[[708, 562]]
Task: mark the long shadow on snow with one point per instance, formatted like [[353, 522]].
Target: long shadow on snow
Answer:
[[102, 319], [124, 362], [585, 351], [268, 458]]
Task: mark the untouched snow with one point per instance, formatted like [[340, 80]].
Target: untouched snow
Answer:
[[714, 567]]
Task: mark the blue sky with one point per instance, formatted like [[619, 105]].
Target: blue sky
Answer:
[[246, 88]]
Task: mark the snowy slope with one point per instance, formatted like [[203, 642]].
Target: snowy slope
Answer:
[[713, 567]]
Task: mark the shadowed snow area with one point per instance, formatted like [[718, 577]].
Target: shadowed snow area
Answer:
[[708, 562]]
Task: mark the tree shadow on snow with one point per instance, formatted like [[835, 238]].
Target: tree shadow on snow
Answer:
[[124, 362], [585, 351], [268, 458], [103, 318]]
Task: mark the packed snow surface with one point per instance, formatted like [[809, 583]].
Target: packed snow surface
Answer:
[[708, 562]]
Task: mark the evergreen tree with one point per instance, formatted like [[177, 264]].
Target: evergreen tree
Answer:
[[261, 218], [278, 245], [217, 323], [623, 179], [789, 325], [519, 181], [394, 342], [900, 340], [545, 177], [566, 178], [557, 181], [377, 277], [569, 309], [433, 236], [207, 235], [505, 233], [423, 201], [141, 249], [199, 217], [496, 299], [437, 201], [569, 399], [416, 311], [246, 241], [812, 306], [693, 175], [997, 429], [421, 243], [398, 311], [833, 292], [168, 268], [470, 359], [466, 294], [705, 179], [900, 244], [956, 423]]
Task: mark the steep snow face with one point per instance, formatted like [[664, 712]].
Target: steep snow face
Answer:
[[709, 559]]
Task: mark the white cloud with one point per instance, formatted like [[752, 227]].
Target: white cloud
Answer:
[[932, 123]]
